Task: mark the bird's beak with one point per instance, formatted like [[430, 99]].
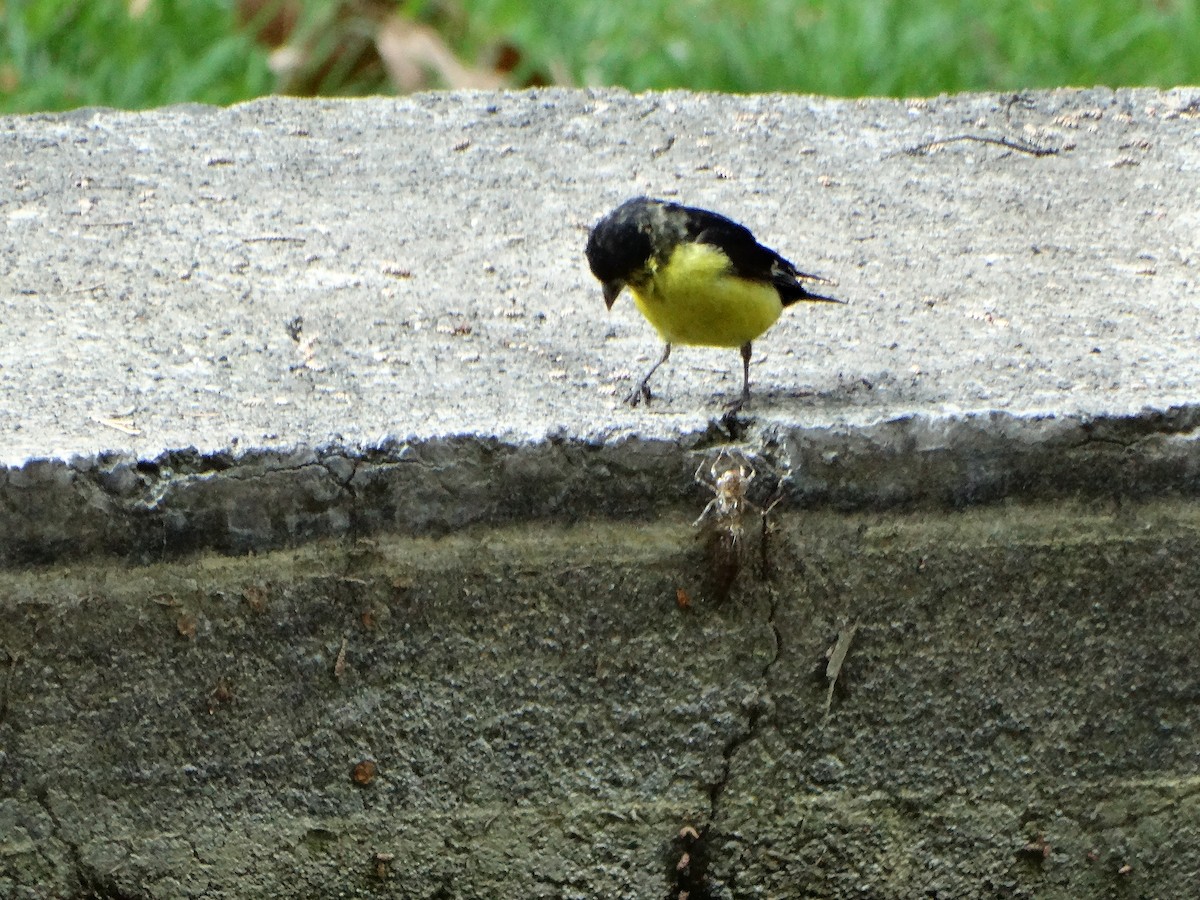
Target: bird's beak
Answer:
[[611, 289]]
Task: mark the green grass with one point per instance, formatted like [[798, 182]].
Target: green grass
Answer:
[[56, 54], [852, 47]]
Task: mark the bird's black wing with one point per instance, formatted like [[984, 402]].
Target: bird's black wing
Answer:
[[747, 257]]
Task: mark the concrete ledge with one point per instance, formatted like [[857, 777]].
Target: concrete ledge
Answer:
[[313, 455], [228, 328], [183, 501]]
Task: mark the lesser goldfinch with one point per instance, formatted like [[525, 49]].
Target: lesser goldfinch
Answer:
[[697, 277]]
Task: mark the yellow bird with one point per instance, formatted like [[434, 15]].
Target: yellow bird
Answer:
[[697, 277]]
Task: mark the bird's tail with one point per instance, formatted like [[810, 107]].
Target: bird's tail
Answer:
[[797, 292], [792, 290], [812, 298]]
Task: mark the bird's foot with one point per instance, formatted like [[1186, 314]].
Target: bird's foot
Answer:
[[638, 394], [738, 405]]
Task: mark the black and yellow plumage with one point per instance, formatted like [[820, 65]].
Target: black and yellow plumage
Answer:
[[697, 277]]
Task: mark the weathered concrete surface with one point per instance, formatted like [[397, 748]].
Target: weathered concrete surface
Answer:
[[358, 342], [545, 719], [309, 293]]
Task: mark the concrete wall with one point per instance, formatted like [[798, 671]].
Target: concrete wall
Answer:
[[316, 457]]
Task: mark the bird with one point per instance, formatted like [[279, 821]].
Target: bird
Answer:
[[697, 277]]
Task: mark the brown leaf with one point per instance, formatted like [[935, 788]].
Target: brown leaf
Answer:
[[412, 53]]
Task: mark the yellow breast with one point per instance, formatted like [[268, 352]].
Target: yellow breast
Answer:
[[693, 299]]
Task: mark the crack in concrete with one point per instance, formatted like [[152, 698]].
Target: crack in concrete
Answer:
[[164, 485], [42, 795], [93, 885], [6, 689], [758, 714]]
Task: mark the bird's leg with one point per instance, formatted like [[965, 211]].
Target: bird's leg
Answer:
[[746, 372], [737, 405], [642, 391]]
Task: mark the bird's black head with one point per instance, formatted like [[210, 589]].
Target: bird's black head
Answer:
[[620, 245]]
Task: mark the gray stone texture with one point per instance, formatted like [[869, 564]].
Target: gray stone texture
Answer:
[[314, 454]]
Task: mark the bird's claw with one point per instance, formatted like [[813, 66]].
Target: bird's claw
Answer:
[[638, 394], [738, 405]]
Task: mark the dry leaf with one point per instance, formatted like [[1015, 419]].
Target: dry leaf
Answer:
[[411, 52]]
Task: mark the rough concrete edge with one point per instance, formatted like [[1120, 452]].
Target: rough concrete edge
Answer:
[[183, 500]]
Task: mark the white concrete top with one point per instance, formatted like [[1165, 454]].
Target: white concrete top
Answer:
[[294, 273]]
